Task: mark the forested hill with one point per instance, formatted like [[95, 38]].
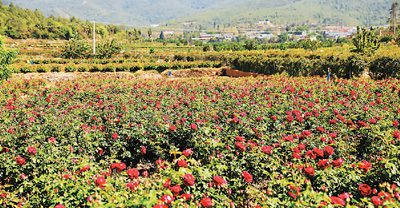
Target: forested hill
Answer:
[[19, 23], [206, 12]]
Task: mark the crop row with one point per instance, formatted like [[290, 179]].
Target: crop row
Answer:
[[117, 67]]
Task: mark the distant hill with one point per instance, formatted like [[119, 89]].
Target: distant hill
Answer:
[[145, 12], [19, 23]]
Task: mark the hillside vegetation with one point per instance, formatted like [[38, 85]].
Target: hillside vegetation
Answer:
[[19, 23], [140, 12]]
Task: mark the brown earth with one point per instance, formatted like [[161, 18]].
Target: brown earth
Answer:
[[184, 73], [196, 72], [236, 73]]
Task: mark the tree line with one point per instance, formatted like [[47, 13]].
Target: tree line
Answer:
[[19, 23]]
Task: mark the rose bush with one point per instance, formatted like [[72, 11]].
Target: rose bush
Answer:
[[217, 142]]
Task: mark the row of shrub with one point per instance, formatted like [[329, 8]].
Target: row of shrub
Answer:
[[342, 67], [126, 67]]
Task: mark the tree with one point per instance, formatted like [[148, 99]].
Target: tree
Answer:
[[6, 58], [283, 37], [366, 41], [250, 44], [393, 18], [75, 48], [107, 48]]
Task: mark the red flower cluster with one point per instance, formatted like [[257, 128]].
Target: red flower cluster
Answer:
[[247, 177]]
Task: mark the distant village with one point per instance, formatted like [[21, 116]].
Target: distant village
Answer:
[[264, 30]]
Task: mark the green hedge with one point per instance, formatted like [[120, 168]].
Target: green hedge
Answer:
[[113, 67]]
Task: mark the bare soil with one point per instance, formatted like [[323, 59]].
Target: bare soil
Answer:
[[184, 73]]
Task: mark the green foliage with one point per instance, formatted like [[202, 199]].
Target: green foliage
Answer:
[[107, 48], [19, 23], [80, 49], [6, 58], [309, 44], [75, 49], [283, 37], [386, 39], [366, 41]]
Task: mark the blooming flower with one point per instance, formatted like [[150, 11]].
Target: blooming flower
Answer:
[[219, 181], [20, 160], [365, 189], [247, 176], [32, 150], [100, 182], [206, 202], [189, 179], [133, 173]]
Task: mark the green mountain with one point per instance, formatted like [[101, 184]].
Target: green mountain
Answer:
[[208, 12]]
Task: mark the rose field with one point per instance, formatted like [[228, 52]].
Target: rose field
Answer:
[[209, 142]]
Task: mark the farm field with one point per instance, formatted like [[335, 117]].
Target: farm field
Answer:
[[46, 56], [208, 142]]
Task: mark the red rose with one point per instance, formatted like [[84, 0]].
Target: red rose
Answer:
[[20, 160], [167, 183], [145, 173], [84, 169], [306, 133], [172, 128], [337, 201], [338, 162], [100, 182], [206, 202], [52, 140], [175, 189], [395, 123], [23, 176], [309, 171], [240, 146], [365, 166], [344, 196], [32, 150], [118, 166], [193, 126], [296, 155], [324, 163], [329, 150], [132, 185], [365, 189], [267, 149], [182, 163], [301, 146], [114, 136], [187, 152], [188, 179], [396, 134], [167, 199], [133, 173], [219, 181], [186, 196], [377, 201], [247, 176], [59, 206], [143, 150], [318, 152], [67, 176]]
